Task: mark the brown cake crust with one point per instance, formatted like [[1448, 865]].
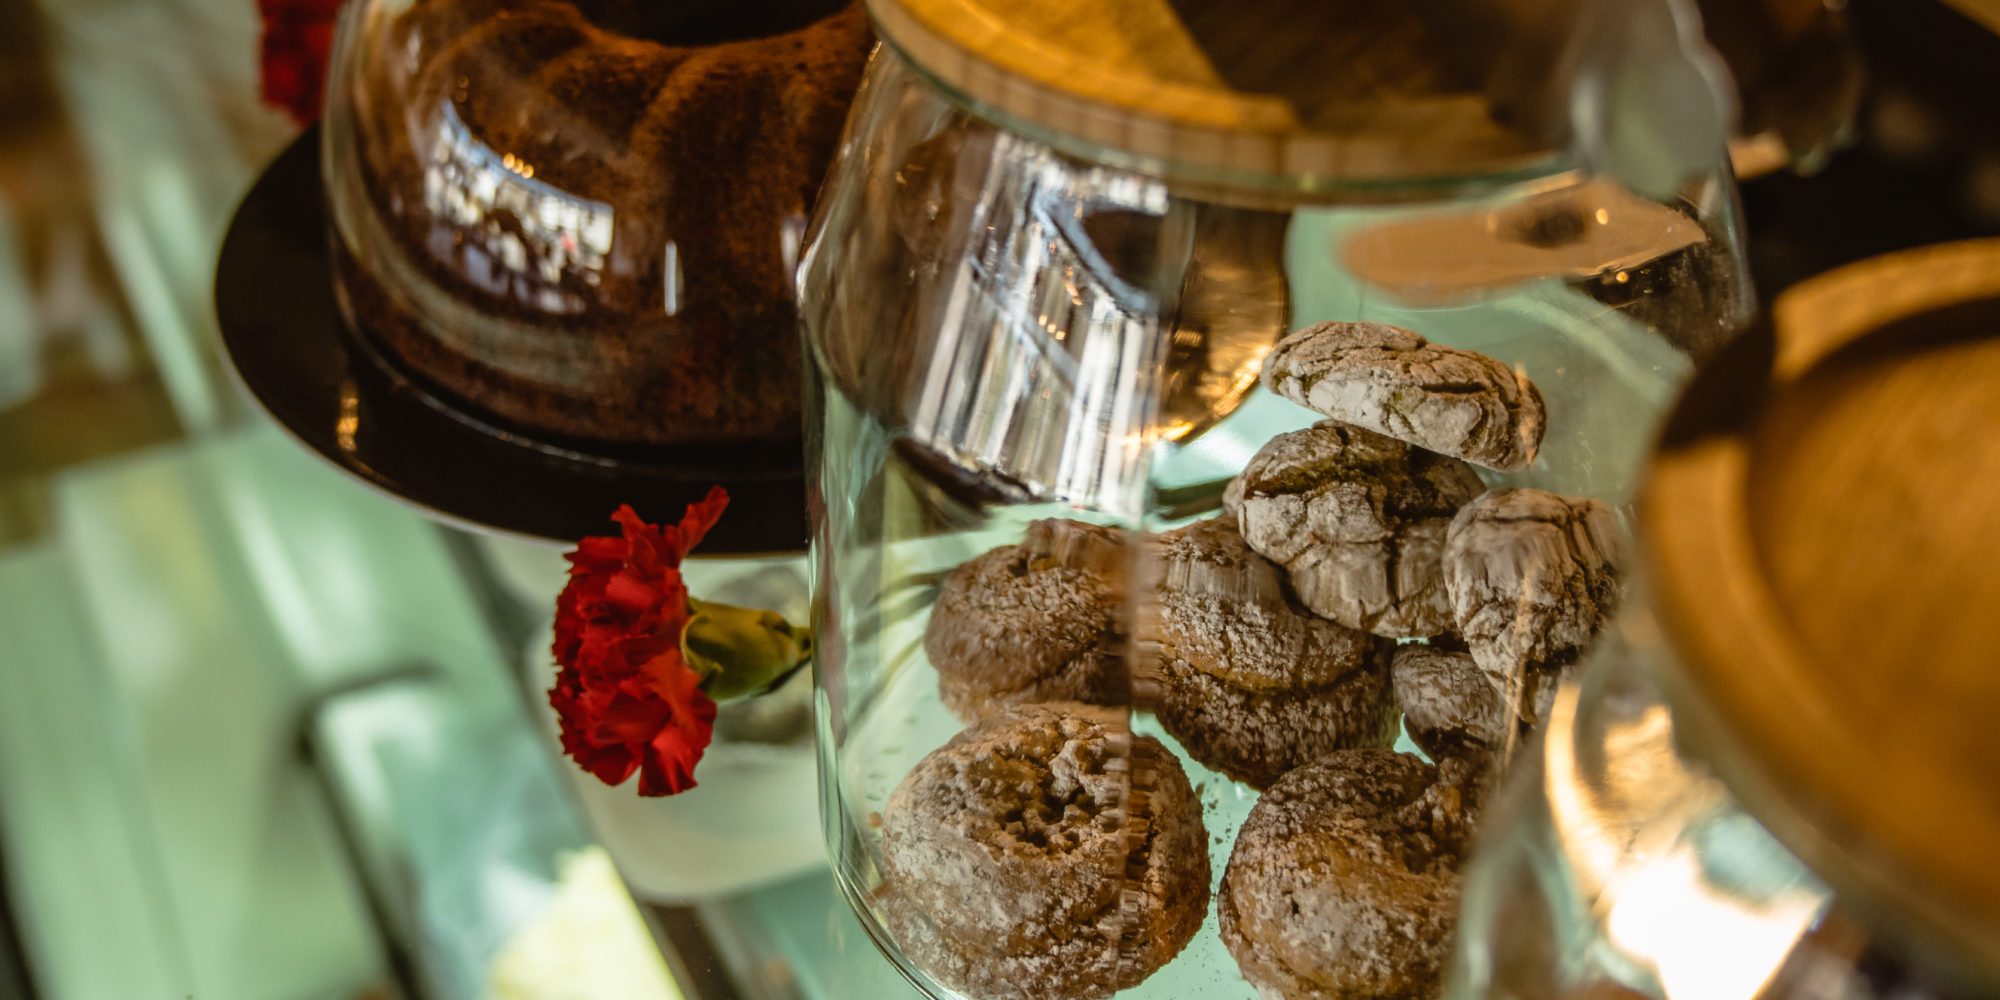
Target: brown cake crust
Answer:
[[1533, 577], [1089, 678], [1449, 704], [710, 149], [1044, 852], [1226, 611], [1257, 736]]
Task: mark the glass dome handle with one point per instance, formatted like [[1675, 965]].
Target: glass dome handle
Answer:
[[1650, 102]]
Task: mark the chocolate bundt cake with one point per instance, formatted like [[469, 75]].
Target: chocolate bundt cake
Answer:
[[573, 215]]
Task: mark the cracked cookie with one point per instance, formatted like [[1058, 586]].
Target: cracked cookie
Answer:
[[1250, 682], [1035, 621], [1449, 704], [1044, 852], [1533, 578], [1393, 381], [1358, 520], [1344, 879]]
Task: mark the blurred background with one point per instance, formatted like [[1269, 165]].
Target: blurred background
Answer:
[[265, 734]]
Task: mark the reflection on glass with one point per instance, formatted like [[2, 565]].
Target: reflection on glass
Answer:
[[1572, 233], [508, 234], [1081, 316], [348, 424], [1693, 894]]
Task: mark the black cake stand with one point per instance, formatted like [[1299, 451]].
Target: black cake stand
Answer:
[[284, 335]]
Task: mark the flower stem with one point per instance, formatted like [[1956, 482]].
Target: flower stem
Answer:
[[741, 652]]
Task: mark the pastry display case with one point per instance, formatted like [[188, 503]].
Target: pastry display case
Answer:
[[1104, 307]]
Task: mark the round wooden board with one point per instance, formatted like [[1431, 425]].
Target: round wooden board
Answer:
[[1824, 567], [1297, 92]]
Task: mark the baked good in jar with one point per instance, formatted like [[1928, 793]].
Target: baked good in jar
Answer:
[[1343, 882], [1036, 621], [1358, 521], [1449, 704], [1394, 382], [1249, 682], [1044, 853], [1533, 578], [569, 216]]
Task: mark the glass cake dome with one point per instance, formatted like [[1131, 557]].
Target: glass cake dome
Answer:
[[574, 221], [1222, 424]]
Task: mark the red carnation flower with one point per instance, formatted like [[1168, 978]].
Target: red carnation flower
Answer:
[[625, 693], [297, 43]]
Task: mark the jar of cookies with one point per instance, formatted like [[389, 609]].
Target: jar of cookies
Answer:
[[1221, 425], [1777, 777], [572, 223]]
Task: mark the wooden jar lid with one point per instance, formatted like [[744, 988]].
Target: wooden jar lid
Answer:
[[1302, 93], [1822, 532]]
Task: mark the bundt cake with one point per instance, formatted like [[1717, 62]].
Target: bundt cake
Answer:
[[573, 215]]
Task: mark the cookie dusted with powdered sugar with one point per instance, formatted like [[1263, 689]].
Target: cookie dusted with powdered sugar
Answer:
[[1031, 622], [1449, 704], [1393, 381], [1533, 578], [1358, 521], [1255, 737], [1250, 682], [1044, 853], [1343, 882]]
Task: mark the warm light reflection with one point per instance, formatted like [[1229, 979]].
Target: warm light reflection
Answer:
[[1645, 841], [349, 422], [1704, 944], [506, 232], [670, 277], [1435, 258]]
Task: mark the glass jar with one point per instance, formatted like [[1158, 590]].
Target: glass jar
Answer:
[[1777, 780], [1056, 255], [573, 222]]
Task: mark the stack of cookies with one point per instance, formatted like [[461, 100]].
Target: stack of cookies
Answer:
[[1248, 680], [1362, 573], [1382, 524], [1343, 882]]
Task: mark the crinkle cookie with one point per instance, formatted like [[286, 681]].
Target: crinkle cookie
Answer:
[[1533, 578], [1250, 683], [1044, 853], [1036, 621], [1257, 736], [1449, 705], [1343, 882], [1393, 381], [1358, 520]]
